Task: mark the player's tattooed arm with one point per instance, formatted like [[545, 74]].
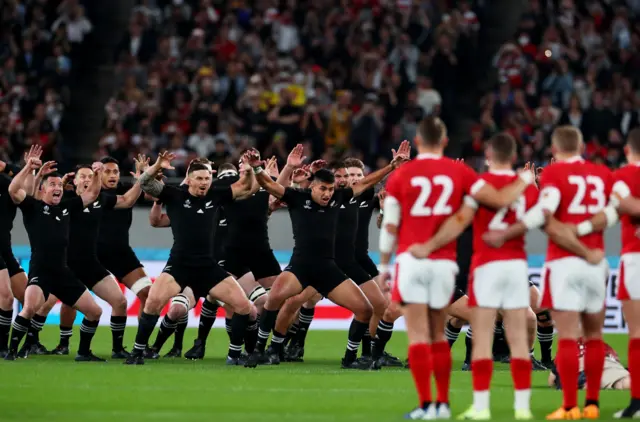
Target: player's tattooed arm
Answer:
[[148, 181], [93, 191], [129, 199], [449, 231], [17, 188]]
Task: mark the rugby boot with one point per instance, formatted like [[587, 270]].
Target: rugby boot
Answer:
[[466, 366], [120, 354], [24, 351], [561, 414], [523, 415], [239, 361], [271, 357], [60, 350], [39, 349], [4, 353], [471, 414], [631, 412], [135, 358], [11, 355], [443, 411], [591, 412], [389, 360], [363, 364], [422, 413], [536, 365], [197, 351], [89, 357], [151, 353], [294, 353], [253, 359], [174, 353]]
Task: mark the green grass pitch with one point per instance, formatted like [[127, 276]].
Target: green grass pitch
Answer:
[[54, 388]]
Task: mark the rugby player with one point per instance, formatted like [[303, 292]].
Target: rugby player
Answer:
[[83, 257], [191, 263], [314, 214], [47, 223], [13, 280], [626, 198], [574, 288], [420, 197], [499, 281], [114, 251]]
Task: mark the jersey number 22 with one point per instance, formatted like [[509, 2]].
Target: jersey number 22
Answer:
[[441, 207]]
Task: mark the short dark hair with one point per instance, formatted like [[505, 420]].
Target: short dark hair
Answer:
[[353, 162], [83, 166], [50, 175], [227, 166], [107, 160], [337, 165], [633, 140], [199, 160], [503, 147], [197, 167], [324, 176], [432, 131]]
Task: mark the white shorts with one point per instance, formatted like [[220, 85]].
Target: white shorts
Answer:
[[629, 277], [500, 285], [429, 282], [572, 284]]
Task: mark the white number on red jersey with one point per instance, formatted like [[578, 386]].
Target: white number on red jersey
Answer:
[[498, 223], [595, 185], [441, 207]]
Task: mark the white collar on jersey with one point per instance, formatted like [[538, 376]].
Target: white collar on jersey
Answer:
[[503, 172], [574, 159], [426, 155]]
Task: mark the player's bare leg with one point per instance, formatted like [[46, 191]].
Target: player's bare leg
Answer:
[[67, 318], [92, 313], [108, 290], [461, 311], [208, 315], [164, 288], [631, 309], [32, 343], [6, 311], [18, 285], [379, 303], [33, 300], [267, 282], [286, 317], [179, 308], [230, 292], [139, 283]]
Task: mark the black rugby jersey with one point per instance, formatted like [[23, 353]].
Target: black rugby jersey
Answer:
[[85, 225], [7, 212], [115, 225]]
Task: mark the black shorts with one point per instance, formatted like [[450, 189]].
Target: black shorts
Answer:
[[259, 261], [9, 262], [353, 270], [457, 295], [60, 282], [119, 261], [88, 270], [367, 264], [200, 279], [324, 275]]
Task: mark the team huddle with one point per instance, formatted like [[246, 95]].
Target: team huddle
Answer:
[[460, 254]]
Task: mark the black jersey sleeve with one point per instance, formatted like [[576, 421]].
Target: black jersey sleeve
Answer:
[[4, 183], [11, 169], [169, 193], [108, 201], [343, 195], [375, 202], [220, 194], [295, 197], [28, 205], [73, 204]]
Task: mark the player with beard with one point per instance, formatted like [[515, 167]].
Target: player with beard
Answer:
[[191, 262], [314, 215], [114, 250], [47, 223], [83, 257]]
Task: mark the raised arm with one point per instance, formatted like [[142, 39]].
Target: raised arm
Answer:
[[388, 233], [294, 161], [148, 181], [93, 191], [399, 157], [17, 189], [253, 161], [246, 185], [157, 218], [129, 199], [448, 232]]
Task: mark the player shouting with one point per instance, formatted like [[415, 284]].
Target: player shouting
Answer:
[[420, 197]]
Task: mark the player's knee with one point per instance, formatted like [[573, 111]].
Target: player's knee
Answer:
[[153, 305], [363, 311], [119, 304], [179, 307], [93, 313], [143, 294], [532, 319], [244, 307], [6, 301]]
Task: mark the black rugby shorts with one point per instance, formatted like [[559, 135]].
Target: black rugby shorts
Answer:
[[367, 264], [119, 261], [9, 262], [201, 279], [353, 270], [88, 270], [261, 262], [60, 282], [322, 274]]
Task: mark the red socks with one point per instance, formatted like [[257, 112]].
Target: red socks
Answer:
[[521, 374], [568, 368], [634, 367], [481, 371], [442, 369], [420, 364], [593, 367]]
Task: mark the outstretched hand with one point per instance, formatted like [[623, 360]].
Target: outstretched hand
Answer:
[[164, 160], [34, 152], [295, 158], [402, 155], [317, 165]]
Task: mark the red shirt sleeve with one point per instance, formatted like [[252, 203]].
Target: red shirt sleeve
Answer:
[[469, 178]]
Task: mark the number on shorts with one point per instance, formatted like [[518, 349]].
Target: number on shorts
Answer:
[[441, 207], [596, 188], [498, 223]]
